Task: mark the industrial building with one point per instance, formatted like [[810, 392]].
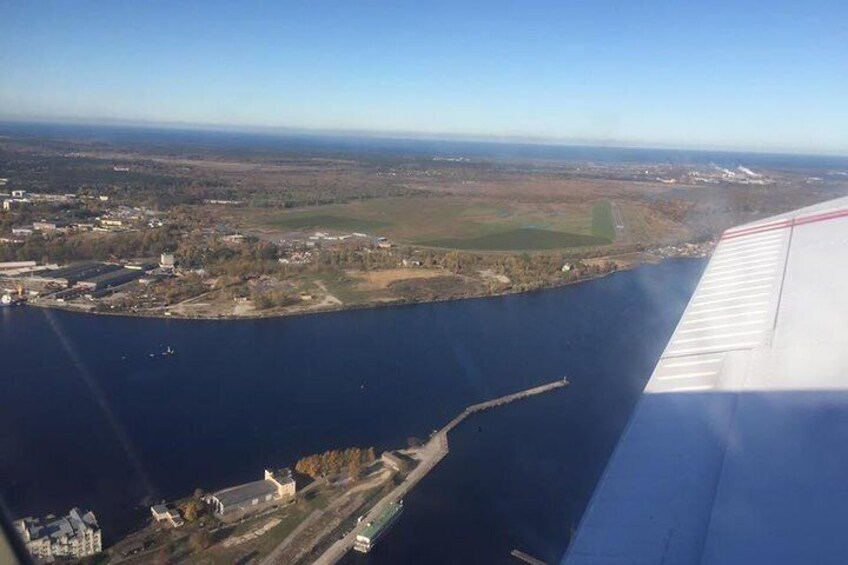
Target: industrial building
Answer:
[[254, 496], [72, 280], [110, 279], [74, 536], [72, 274]]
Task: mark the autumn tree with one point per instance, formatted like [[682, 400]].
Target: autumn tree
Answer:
[[335, 462], [354, 469], [193, 509]]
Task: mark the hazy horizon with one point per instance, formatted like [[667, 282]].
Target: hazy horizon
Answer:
[[282, 132], [753, 76]]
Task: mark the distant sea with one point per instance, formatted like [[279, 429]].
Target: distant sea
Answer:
[[235, 142]]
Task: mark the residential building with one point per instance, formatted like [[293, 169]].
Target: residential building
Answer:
[[75, 536]]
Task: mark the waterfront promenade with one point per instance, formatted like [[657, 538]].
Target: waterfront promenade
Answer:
[[429, 456]]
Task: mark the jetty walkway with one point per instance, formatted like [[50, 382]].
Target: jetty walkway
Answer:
[[429, 456]]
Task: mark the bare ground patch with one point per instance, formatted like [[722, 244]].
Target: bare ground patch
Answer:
[[381, 280]]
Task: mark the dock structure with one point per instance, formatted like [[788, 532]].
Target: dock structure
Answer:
[[430, 454], [521, 556], [501, 401]]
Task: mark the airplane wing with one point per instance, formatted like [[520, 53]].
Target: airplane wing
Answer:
[[737, 451]]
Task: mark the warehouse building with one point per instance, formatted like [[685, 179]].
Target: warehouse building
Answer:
[[111, 279], [237, 501], [72, 274]]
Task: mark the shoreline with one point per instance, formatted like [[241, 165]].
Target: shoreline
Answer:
[[340, 308], [400, 302]]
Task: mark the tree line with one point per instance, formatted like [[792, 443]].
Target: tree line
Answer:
[[335, 462]]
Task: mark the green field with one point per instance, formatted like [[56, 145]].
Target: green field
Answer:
[[522, 239], [457, 222], [603, 224]]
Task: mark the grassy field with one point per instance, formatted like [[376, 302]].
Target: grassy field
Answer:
[[455, 222], [603, 224], [521, 239]]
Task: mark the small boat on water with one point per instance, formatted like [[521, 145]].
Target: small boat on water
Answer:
[[169, 351], [375, 529]]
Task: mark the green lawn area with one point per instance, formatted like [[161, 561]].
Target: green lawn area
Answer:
[[457, 222], [603, 224], [343, 288], [521, 239]]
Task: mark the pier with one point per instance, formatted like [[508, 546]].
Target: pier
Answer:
[[429, 455], [521, 556]]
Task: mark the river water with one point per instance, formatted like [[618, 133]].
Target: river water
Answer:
[[88, 417]]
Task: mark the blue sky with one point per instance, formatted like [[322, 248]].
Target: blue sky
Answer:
[[754, 75]]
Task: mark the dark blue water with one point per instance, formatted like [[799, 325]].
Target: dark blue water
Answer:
[[88, 418], [313, 144]]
